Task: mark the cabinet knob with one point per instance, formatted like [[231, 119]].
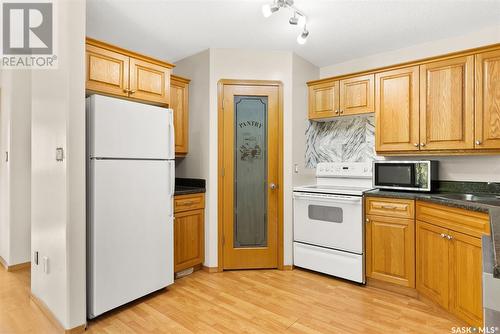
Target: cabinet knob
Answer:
[[449, 237], [478, 142], [341, 111], [131, 91], [416, 144], [367, 220], [336, 111], [126, 90], [443, 235], [422, 144]]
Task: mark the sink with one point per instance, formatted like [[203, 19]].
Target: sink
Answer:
[[488, 199]]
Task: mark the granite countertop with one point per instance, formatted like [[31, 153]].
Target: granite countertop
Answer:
[[185, 186], [492, 209]]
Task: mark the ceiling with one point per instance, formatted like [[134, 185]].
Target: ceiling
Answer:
[[339, 30]]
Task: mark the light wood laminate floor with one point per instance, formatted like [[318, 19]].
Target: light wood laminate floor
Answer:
[[256, 301]]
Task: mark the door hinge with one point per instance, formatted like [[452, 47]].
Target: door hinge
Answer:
[[223, 240], [223, 104], [6, 156], [222, 172]]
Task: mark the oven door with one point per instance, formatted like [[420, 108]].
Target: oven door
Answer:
[[333, 221]]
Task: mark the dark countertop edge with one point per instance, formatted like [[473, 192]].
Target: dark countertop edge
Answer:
[[493, 211], [183, 190]]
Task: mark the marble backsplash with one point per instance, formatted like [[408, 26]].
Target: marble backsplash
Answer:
[[347, 139]]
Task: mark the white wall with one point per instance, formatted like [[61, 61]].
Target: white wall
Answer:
[[58, 188], [467, 168], [15, 218], [196, 163], [302, 72]]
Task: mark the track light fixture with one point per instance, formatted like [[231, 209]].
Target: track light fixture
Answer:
[[298, 18]]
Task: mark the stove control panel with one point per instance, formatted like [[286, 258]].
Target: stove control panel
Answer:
[[344, 169]]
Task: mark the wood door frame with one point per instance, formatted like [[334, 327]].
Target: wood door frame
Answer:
[[220, 159]]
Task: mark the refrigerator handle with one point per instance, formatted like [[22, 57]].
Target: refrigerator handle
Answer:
[[172, 134], [172, 179]]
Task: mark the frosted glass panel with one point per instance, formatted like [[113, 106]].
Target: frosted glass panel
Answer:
[[250, 177]]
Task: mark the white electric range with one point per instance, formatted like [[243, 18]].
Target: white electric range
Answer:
[[328, 220]]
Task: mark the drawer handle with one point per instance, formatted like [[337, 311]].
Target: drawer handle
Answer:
[[187, 203], [390, 207]]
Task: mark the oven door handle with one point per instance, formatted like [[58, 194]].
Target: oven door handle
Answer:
[[332, 198]]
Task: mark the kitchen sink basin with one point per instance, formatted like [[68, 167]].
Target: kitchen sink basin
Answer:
[[488, 199]]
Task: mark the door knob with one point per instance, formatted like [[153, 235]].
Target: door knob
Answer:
[[272, 186]]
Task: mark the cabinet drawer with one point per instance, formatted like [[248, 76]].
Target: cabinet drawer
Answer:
[[391, 207], [469, 222], [189, 202]]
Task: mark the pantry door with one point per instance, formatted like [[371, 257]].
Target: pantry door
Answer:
[[250, 189]]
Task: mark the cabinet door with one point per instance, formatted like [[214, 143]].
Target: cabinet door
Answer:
[[179, 102], [390, 250], [397, 110], [324, 100], [432, 262], [149, 82], [488, 100], [107, 72], [466, 278], [188, 239], [447, 104], [357, 95]]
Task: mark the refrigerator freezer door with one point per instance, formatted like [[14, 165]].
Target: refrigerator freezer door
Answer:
[[129, 130], [130, 233]]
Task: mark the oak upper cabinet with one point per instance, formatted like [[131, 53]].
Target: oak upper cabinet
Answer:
[[118, 72], [189, 231], [432, 263], [149, 82], [447, 104], [488, 100], [390, 240], [324, 100], [179, 102], [106, 71], [397, 110], [357, 95]]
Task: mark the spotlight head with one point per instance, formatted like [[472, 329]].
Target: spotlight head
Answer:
[[302, 38]]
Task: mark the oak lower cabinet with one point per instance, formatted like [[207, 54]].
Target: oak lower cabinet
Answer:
[[189, 231], [432, 263], [449, 258], [111, 70], [179, 102], [390, 240]]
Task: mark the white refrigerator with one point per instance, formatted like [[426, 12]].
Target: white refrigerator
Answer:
[[130, 187]]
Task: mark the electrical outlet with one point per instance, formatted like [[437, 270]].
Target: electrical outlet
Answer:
[[35, 257], [45, 264]]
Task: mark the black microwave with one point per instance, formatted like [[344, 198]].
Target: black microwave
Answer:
[[405, 175]]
